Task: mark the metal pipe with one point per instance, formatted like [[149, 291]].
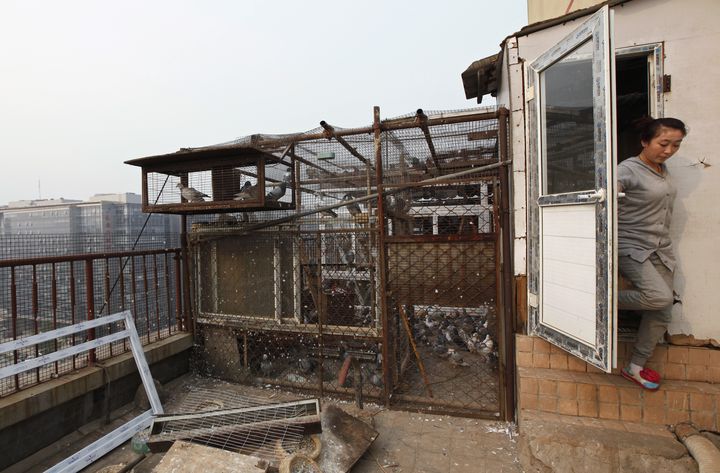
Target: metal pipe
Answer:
[[381, 259], [422, 120], [508, 325], [343, 203], [83, 257], [332, 134], [90, 301]]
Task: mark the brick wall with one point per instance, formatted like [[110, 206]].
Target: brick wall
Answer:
[[550, 380]]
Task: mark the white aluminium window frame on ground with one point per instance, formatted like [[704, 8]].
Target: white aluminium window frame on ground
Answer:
[[97, 449]]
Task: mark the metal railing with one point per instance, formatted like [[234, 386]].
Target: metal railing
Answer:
[[46, 293]]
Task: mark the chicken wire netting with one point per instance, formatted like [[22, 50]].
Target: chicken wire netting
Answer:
[[330, 297]]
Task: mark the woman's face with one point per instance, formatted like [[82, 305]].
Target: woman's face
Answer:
[[663, 145]]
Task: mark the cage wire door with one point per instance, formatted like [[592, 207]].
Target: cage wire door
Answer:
[[442, 289]]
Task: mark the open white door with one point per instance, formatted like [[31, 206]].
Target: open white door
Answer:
[[573, 117]]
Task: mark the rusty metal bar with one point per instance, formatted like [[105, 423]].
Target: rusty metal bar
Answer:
[[14, 312], [394, 190], [106, 294], [122, 296], [53, 290], [146, 291], [189, 325], [422, 120], [508, 325], [385, 125], [134, 290], [35, 314], [178, 294], [382, 258], [90, 301], [320, 307], [156, 285], [63, 259], [330, 133], [73, 305], [167, 292]]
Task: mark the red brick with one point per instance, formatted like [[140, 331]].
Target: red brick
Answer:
[[567, 407], [677, 400], [675, 417], [654, 415], [701, 402], [654, 399], [558, 361], [587, 392], [587, 408], [576, 364], [714, 374], [547, 403], [699, 356], [675, 371], [697, 373], [608, 410], [714, 357], [659, 354], [540, 346], [523, 343], [608, 394], [541, 360], [524, 360], [567, 390], [630, 413], [678, 355], [528, 401], [630, 396], [529, 385], [703, 419], [547, 387]]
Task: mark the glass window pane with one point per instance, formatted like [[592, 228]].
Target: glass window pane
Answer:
[[568, 140]]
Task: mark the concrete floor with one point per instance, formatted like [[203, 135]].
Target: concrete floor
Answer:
[[407, 442]]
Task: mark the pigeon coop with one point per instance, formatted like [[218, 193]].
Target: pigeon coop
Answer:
[[382, 282], [216, 179]]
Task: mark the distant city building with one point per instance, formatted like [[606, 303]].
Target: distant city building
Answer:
[[104, 222]]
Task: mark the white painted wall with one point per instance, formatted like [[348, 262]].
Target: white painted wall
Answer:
[[690, 31]]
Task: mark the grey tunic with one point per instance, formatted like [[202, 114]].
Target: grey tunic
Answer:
[[644, 214]]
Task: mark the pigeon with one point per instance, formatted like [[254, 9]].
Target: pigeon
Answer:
[[277, 192], [307, 365], [456, 358], [329, 213], [190, 194], [266, 366], [287, 177], [247, 192], [353, 208], [347, 257]]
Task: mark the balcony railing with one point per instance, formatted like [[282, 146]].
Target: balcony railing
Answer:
[[45, 293]]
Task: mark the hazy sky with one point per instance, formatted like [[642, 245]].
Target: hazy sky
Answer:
[[86, 85]]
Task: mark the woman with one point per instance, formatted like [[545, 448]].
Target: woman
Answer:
[[645, 253]]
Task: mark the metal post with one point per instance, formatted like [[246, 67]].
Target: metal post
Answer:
[[90, 301], [382, 261], [508, 325], [178, 293], [186, 274]]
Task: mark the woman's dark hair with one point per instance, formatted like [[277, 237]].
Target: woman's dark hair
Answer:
[[649, 127]]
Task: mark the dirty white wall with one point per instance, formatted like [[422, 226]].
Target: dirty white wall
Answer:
[[539, 10], [690, 31]]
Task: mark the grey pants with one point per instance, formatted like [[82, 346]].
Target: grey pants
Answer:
[[653, 295]]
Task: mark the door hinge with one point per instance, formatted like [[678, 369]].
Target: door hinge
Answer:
[[666, 83]]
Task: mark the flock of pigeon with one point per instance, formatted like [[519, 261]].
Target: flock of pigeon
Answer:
[[451, 333]]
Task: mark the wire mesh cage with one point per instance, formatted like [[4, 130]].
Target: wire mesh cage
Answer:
[[383, 280]]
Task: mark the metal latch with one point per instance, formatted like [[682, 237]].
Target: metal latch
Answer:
[[597, 196]]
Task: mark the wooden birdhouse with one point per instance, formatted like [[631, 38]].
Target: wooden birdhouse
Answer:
[[216, 179]]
